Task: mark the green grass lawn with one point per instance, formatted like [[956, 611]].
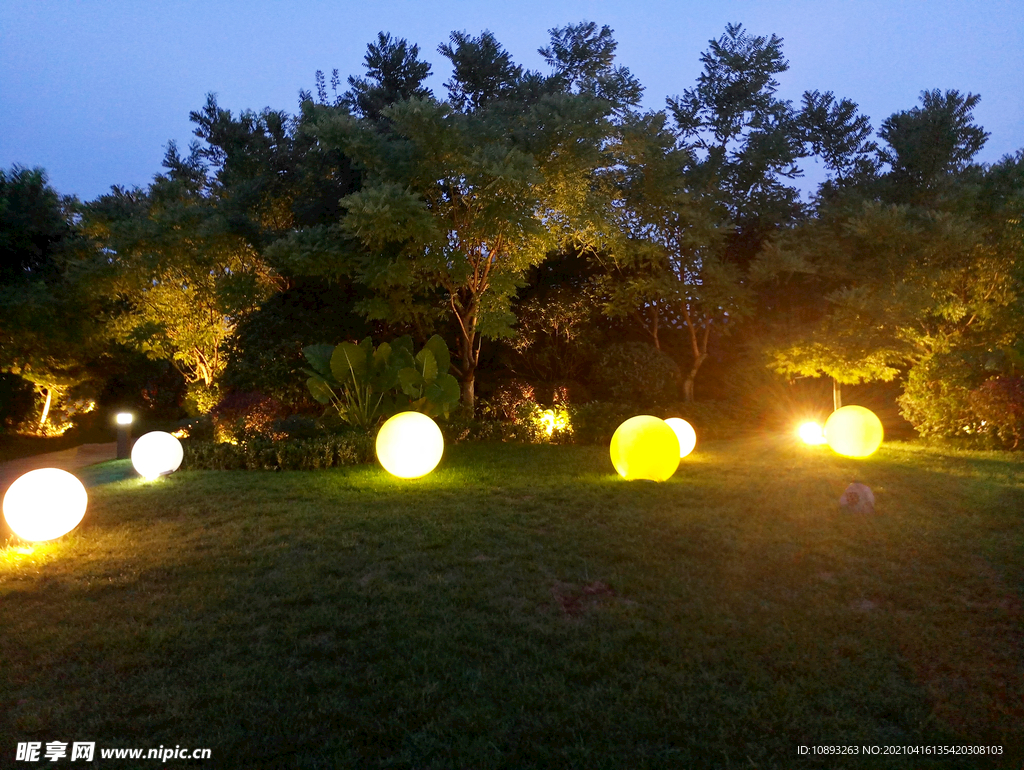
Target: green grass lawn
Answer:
[[523, 607]]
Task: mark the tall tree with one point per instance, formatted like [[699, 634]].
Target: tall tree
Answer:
[[582, 58], [394, 73], [927, 146], [462, 197], [47, 333], [177, 279], [745, 140], [668, 270]]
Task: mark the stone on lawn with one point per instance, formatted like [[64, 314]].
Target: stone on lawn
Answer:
[[858, 498]]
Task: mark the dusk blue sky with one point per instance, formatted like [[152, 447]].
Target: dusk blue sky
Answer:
[[93, 90]]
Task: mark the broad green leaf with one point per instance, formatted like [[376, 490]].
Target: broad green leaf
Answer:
[[382, 355], [349, 363], [437, 346], [403, 343], [450, 387], [427, 365], [319, 357], [319, 389], [412, 382]]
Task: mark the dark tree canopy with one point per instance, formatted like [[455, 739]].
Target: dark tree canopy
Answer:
[[394, 73], [927, 144]]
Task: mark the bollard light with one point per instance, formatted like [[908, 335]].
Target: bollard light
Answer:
[[124, 435]]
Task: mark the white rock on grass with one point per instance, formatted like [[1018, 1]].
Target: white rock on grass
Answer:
[[858, 498]]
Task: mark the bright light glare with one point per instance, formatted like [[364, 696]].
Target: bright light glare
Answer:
[[644, 447], [157, 453], [812, 433], [409, 445], [124, 418], [44, 504], [685, 433]]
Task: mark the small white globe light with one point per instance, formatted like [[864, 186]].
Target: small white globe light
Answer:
[[644, 447], [811, 433], [156, 454], [124, 418], [44, 504], [409, 445], [685, 433]]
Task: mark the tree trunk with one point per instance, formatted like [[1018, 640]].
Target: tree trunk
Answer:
[[46, 408], [469, 353], [691, 376], [468, 394], [700, 353], [837, 394]]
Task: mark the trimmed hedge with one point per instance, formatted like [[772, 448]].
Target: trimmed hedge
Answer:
[[295, 455], [591, 423]]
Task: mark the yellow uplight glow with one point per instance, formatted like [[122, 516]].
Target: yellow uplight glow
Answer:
[[853, 431], [156, 454], [124, 418], [685, 433], [44, 504], [409, 445], [811, 433], [645, 447]]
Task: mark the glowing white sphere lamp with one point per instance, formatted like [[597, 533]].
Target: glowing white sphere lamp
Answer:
[[44, 504], [156, 454], [409, 445], [853, 431], [645, 447], [811, 433], [685, 433]]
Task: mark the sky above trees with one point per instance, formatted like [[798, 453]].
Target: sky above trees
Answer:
[[92, 92]]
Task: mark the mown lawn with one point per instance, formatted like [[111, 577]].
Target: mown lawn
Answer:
[[523, 607]]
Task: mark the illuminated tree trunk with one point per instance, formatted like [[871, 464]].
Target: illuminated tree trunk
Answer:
[[46, 408], [700, 353], [469, 348], [837, 394]]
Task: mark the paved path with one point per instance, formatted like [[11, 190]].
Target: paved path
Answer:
[[69, 460]]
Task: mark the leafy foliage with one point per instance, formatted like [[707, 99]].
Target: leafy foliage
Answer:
[[999, 404], [360, 382], [329, 451], [636, 373]]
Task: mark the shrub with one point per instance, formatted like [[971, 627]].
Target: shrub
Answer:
[[326, 451], [936, 399], [265, 352], [999, 406], [244, 416], [637, 374]]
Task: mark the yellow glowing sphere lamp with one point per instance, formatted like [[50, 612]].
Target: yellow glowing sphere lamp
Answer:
[[645, 447], [853, 431], [156, 454], [685, 433], [811, 433], [44, 504], [409, 445]]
